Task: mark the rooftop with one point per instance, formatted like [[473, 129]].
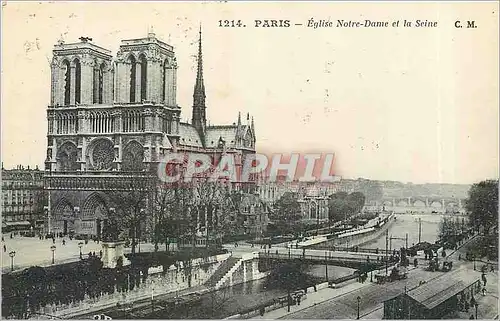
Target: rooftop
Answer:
[[83, 44], [437, 291]]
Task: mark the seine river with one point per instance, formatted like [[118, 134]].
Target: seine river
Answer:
[[231, 301]]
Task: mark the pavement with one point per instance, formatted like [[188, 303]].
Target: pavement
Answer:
[[342, 303], [312, 299], [31, 251]]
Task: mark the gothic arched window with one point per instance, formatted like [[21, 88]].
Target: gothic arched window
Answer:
[[101, 83], [95, 91], [131, 61], [133, 156], [164, 80], [78, 79], [67, 157], [144, 76], [67, 82]]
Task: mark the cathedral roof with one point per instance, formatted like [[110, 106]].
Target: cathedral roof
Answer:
[[189, 135], [225, 132]]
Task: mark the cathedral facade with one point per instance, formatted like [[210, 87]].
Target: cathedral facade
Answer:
[[112, 119]]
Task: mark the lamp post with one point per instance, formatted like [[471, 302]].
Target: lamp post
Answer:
[[139, 229], [12, 254], [326, 266], [474, 259], [152, 297], [359, 299], [476, 305], [53, 249], [80, 244]]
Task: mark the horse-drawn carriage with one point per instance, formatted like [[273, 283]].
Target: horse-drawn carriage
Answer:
[[397, 273]]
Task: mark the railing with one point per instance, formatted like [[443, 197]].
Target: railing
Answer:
[[315, 257], [137, 182], [351, 249], [99, 173]]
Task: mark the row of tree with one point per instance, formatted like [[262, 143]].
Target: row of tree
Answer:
[[482, 206], [343, 205], [36, 287], [178, 211], [287, 214]]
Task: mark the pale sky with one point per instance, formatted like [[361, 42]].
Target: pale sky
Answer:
[[406, 104]]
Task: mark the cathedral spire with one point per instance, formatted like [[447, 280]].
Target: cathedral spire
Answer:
[[199, 88], [199, 119]]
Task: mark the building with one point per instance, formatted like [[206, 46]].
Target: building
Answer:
[[253, 214], [110, 122], [22, 199], [434, 299], [313, 200]]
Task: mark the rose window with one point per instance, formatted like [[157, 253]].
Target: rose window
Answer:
[[103, 155]]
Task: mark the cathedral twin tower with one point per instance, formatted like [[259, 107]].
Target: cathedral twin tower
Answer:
[[129, 101], [110, 121], [83, 73]]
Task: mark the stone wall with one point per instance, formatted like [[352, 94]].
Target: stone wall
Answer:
[[161, 282]]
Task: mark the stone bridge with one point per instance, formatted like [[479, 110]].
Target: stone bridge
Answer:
[[422, 201], [365, 261]]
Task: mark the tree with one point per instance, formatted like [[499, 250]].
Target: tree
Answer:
[[210, 200], [356, 201], [482, 205], [131, 208], [218, 300], [288, 207], [170, 207], [342, 205], [287, 214], [449, 227]]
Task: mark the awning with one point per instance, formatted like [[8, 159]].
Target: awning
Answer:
[[18, 223]]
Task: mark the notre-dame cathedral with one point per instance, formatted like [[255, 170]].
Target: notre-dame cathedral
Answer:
[[111, 119]]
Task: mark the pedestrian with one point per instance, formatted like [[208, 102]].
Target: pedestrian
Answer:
[[492, 269], [483, 277], [93, 254], [484, 291], [64, 242], [53, 240], [10, 235], [3, 239], [90, 255], [100, 253], [4, 248]]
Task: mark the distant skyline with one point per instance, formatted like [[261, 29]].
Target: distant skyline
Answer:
[[409, 105]]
